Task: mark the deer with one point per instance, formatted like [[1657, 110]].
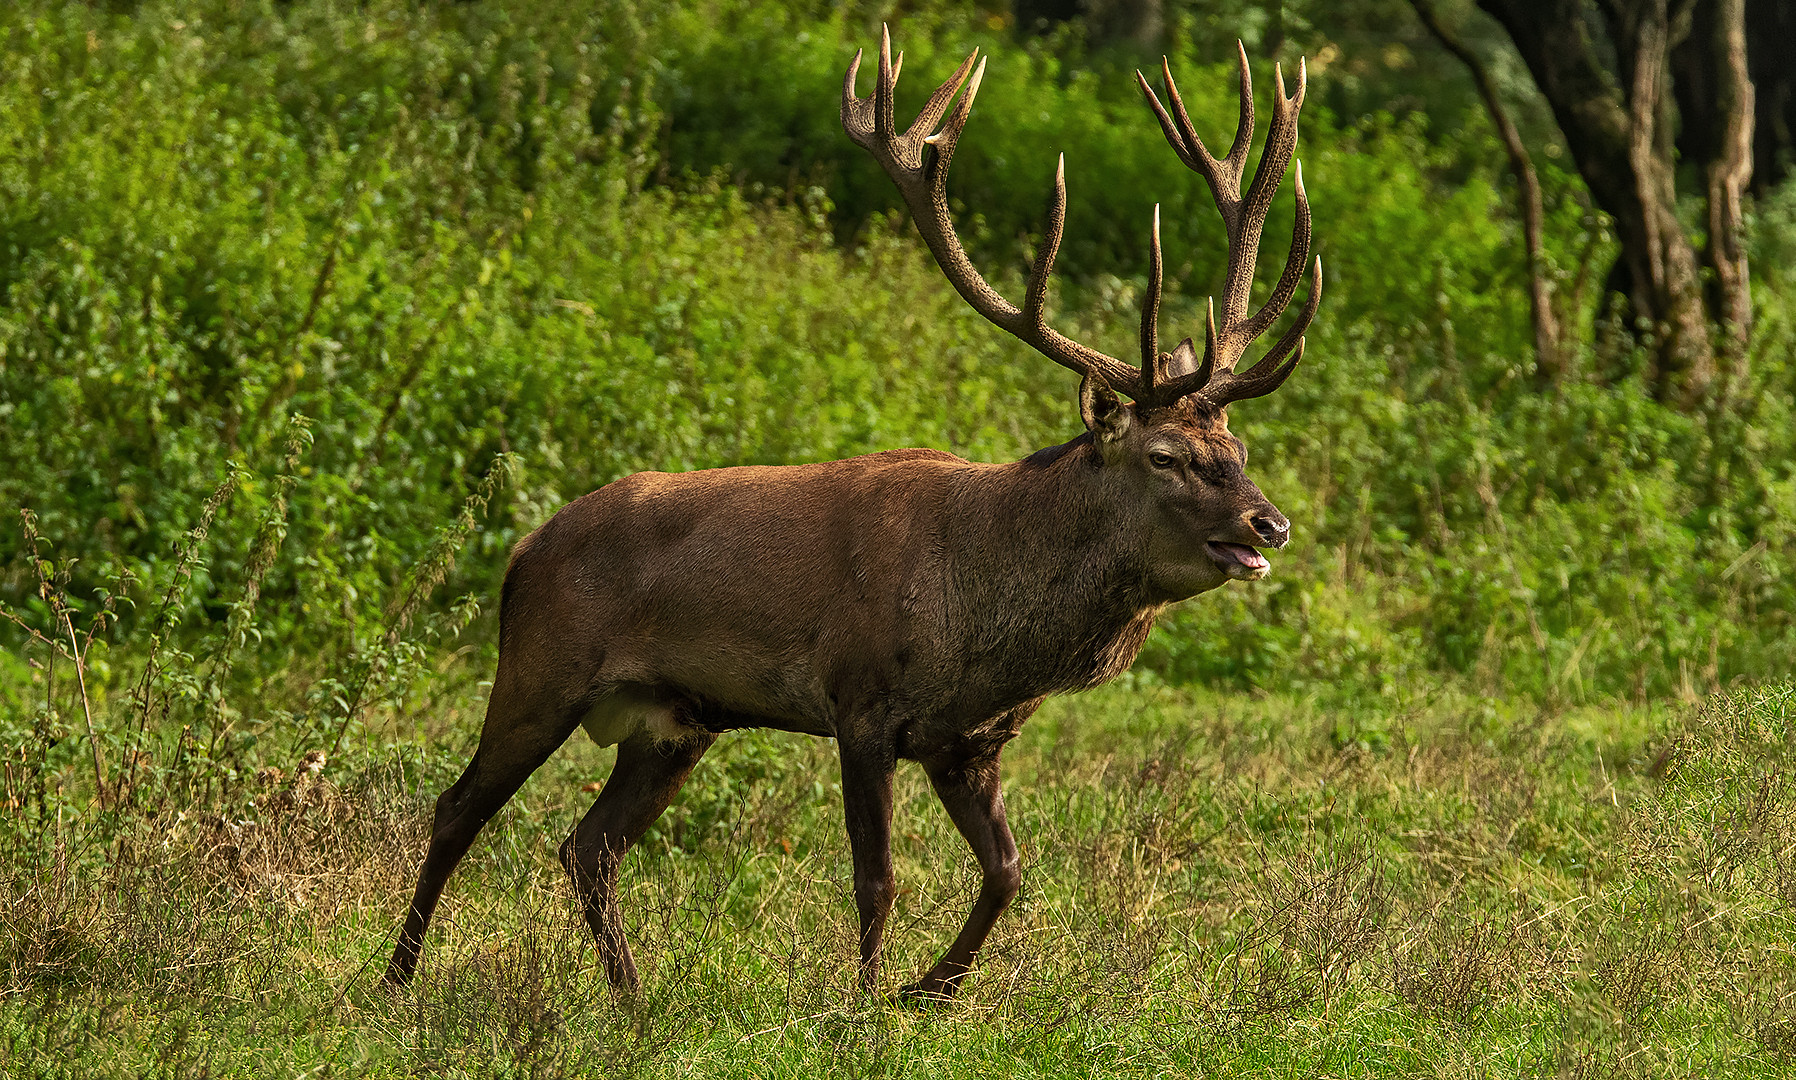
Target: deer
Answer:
[[909, 604]]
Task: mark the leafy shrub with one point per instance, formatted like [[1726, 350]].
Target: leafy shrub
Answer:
[[635, 239]]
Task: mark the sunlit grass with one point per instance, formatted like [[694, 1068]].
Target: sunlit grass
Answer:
[[1213, 883]]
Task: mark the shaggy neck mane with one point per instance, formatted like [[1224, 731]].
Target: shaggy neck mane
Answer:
[[1078, 609], [1048, 455]]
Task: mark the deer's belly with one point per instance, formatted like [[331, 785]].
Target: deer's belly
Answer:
[[624, 712]]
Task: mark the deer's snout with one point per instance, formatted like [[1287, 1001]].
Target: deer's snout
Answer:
[[1272, 527]]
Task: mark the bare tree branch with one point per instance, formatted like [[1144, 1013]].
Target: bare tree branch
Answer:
[[1549, 363]]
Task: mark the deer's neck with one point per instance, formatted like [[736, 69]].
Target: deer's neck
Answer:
[[1072, 525], [1051, 571]]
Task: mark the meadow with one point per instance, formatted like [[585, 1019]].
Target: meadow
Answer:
[[312, 309], [1213, 885]]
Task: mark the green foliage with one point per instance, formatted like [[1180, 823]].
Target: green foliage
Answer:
[[635, 238], [310, 310]]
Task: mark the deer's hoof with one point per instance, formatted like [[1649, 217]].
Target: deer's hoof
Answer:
[[925, 995]]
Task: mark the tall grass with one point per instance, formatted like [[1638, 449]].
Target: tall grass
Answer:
[[1211, 885], [166, 712]]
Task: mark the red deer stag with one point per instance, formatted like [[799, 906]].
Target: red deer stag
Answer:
[[908, 604]]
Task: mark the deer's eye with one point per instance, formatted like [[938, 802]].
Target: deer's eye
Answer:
[[1162, 461]]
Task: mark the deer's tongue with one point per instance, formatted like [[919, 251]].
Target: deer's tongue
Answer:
[[1239, 554]]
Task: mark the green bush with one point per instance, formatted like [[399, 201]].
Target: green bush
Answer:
[[636, 239]]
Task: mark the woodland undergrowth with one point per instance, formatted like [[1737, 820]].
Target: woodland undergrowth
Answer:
[[312, 310]]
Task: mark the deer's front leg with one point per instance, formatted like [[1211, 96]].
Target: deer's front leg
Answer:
[[970, 791], [867, 767]]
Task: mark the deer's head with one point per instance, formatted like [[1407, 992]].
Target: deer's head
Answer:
[[1167, 452]]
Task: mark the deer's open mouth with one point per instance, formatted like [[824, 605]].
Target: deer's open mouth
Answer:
[[1239, 560]]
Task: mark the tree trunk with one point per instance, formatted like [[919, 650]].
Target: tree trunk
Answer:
[[1771, 28], [1137, 22], [1728, 173], [1549, 359], [1042, 16], [1666, 288], [1613, 100]]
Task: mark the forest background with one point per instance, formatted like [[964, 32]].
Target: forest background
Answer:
[[312, 309]]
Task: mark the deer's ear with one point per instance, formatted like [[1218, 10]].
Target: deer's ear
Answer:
[[1105, 415], [1182, 360]]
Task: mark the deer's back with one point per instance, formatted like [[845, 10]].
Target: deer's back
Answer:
[[768, 590]]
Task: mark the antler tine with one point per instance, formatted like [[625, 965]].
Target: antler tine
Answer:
[[885, 89], [1265, 376], [854, 107], [917, 162], [1294, 261], [1186, 128], [1183, 138], [1293, 335], [924, 125], [1177, 125], [1194, 381], [945, 140], [1244, 125], [1244, 215], [1202, 374], [1275, 159], [1036, 299], [1150, 315], [1244, 389]]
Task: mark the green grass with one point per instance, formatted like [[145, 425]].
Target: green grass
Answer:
[[1430, 885], [596, 239]]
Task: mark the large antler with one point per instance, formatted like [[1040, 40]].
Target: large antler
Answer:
[[1244, 217], [917, 161]]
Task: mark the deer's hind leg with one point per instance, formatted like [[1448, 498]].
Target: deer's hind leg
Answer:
[[522, 728], [649, 772]]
